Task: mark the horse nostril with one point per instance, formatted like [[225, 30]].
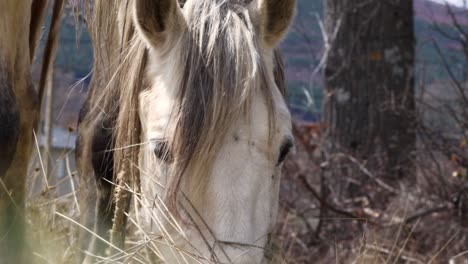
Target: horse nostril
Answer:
[[288, 144]]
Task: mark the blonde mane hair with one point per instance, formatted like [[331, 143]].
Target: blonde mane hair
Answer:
[[220, 67]]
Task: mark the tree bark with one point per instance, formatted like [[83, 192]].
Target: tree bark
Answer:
[[369, 79]]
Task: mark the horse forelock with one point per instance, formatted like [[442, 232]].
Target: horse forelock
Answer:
[[222, 69]]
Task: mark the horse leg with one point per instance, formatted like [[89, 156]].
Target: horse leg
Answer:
[[9, 134], [99, 144], [18, 117], [103, 164], [9, 120], [87, 191]]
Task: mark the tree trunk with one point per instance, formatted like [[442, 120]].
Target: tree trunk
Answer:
[[369, 78]]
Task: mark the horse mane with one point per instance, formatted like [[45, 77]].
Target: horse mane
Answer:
[[118, 73], [220, 71]]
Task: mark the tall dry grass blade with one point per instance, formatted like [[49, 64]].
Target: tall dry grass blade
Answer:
[[48, 124], [44, 173], [72, 184], [397, 238], [162, 229], [400, 252], [452, 259], [444, 247], [149, 240], [9, 193], [95, 235], [131, 253], [43, 258], [185, 253]]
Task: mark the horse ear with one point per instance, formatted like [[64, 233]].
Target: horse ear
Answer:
[[276, 17], [158, 19]]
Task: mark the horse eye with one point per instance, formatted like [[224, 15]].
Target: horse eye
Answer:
[[285, 149], [161, 150]]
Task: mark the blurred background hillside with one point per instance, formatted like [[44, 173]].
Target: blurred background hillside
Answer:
[[303, 50]]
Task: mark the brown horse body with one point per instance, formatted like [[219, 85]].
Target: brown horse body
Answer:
[[19, 111]]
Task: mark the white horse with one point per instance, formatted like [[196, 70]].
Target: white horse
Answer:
[[185, 109]]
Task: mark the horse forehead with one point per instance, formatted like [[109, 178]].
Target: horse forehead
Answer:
[[189, 5], [157, 104], [261, 112]]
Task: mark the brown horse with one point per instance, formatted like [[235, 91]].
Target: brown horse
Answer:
[[185, 111], [20, 28]]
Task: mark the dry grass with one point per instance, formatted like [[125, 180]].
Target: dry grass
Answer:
[[53, 217], [407, 231], [408, 224], [51, 237]]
